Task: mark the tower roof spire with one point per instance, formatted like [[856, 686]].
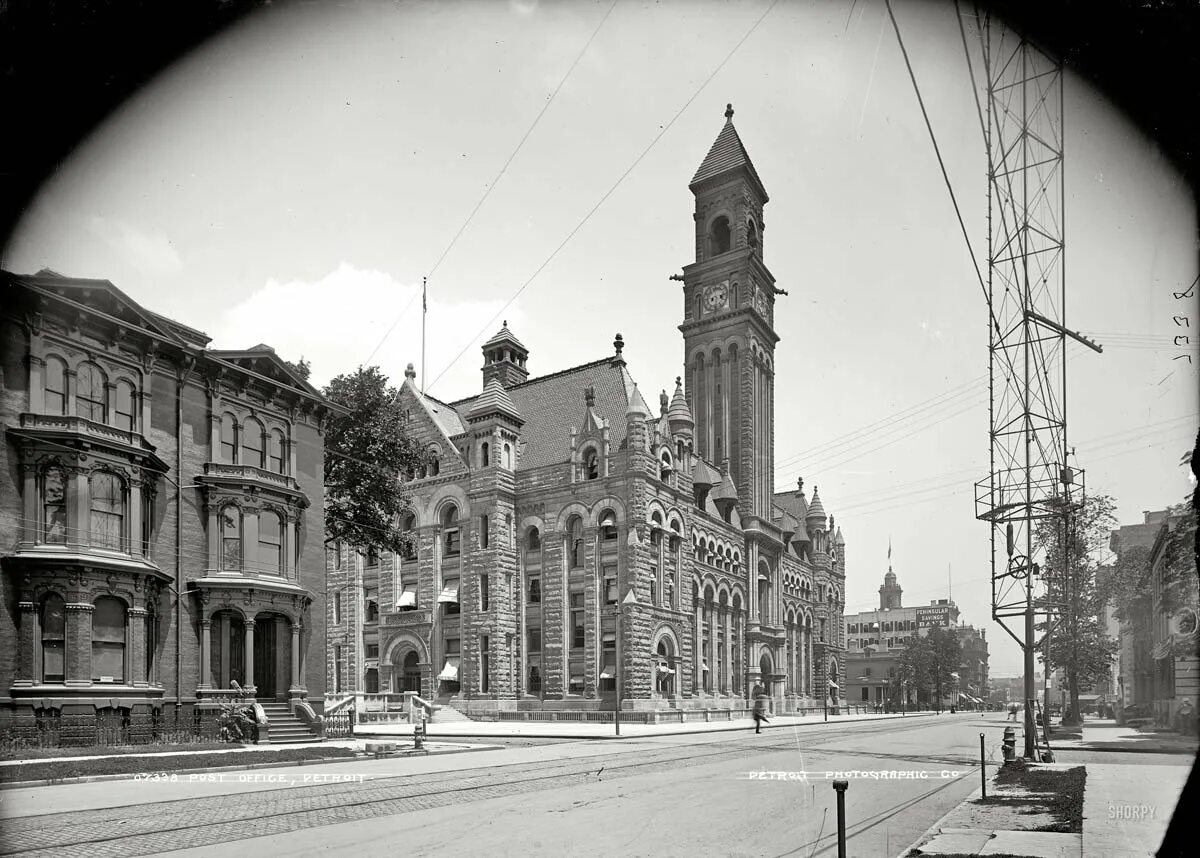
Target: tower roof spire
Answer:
[[728, 155]]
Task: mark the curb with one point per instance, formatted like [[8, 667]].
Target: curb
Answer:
[[1104, 749], [929, 832], [610, 736], [357, 758]]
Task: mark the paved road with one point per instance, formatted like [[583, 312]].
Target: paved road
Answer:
[[669, 795]]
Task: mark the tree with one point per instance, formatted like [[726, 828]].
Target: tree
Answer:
[[301, 367], [913, 668], [367, 452], [945, 658], [1078, 644]]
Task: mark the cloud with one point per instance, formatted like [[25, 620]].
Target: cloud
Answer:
[[148, 252], [336, 323], [930, 332]]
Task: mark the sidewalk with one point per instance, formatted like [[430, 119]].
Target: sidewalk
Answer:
[[1109, 736], [1126, 808], [584, 730]]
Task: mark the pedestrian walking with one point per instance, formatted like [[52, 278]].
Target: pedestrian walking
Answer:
[[760, 712], [1012, 712]]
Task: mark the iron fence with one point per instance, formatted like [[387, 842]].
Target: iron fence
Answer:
[[107, 730], [339, 725]]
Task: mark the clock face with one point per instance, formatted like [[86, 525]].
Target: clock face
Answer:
[[760, 303], [716, 295]]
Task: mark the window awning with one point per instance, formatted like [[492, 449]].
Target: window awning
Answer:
[[609, 638], [449, 592], [662, 668], [833, 684], [704, 665], [607, 673], [450, 671], [408, 598], [576, 678]]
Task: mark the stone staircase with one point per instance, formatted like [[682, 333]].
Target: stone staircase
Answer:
[[284, 727], [444, 713]]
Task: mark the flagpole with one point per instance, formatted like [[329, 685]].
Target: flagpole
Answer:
[[424, 309]]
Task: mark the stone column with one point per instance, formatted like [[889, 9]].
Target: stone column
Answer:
[[29, 666], [727, 655], [697, 654], [205, 654], [79, 643], [303, 663], [135, 637], [294, 689], [224, 633], [248, 683]]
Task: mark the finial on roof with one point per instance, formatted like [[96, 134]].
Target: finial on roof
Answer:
[[409, 372], [618, 346], [800, 485], [589, 396], [505, 325], [729, 112]]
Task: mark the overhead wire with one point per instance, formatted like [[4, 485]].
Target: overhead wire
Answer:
[[496, 180], [587, 217]]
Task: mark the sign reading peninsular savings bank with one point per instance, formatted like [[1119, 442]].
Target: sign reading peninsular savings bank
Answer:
[[934, 615]]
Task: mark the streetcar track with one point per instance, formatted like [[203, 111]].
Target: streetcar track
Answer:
[[330, 803]]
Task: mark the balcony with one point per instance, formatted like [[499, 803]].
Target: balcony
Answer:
[[60, 427], [222, 474]]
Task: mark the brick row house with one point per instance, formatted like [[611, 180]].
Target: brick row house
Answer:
[[568, 534], [160, 511]]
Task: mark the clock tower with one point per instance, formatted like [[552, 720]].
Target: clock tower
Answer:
[[729, 339]]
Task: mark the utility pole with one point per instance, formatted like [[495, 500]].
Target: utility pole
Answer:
[[1029, 480]]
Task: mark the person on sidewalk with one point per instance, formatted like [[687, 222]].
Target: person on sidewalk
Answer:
[[1184, 717], [1012, 712], [760, 712]]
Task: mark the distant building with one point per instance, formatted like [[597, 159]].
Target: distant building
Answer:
[[161, 504], [874, 640]]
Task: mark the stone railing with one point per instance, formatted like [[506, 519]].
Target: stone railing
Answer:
[[81, 426], [249, 472]]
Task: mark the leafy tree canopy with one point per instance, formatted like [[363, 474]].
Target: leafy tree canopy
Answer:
[[366, 452]]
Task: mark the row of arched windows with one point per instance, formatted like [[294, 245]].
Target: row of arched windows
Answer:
[[249, 443], [108, 511], [92, 400]]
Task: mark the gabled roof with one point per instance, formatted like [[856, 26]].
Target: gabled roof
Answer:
[[262, 360], [727, 155], [103, 298], [550, 406]]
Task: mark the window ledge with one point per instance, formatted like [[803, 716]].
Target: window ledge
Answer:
[[219, 474]]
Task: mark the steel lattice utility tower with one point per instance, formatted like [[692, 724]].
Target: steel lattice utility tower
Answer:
[[1026, 285]]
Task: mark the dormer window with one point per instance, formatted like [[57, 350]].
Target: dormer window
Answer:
[[591, 464], [664, 466]]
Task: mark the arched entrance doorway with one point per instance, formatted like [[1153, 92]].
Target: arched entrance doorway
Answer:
[[227, 663], [408, 677], [764, 672], [272, 654], [664, 669]]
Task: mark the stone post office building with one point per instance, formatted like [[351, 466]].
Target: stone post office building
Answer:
[[160, 511], [564, 524]]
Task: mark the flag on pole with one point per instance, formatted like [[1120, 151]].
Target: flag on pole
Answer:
[[889, 548], [424, 305]]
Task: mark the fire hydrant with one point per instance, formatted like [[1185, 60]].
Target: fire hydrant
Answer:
[[419, 735], [1009, 745]]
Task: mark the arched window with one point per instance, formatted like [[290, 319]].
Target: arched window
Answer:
[[107, 526], [608, 525], [450, 529], [275, 451], [719, 235], [270, 543], [409, 526], [591, 464], [124, 414], [231, 539], [508, 457], [54, 505], [751, 233], [252, 443], [56, 386], [435, 465], [54, 627], [764, 599], [575, 541], [533, 539], [483, 455], [228, 438], [484, 534], [664, 467], [108, 640], [90, 393]]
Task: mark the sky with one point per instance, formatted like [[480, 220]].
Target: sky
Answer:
[[294, 179]]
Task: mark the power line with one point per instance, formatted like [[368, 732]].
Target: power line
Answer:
[[487, 326], [492, 186]]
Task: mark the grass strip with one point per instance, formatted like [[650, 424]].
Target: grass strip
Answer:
[[59, 769], [111, 750], [1060, 793]]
